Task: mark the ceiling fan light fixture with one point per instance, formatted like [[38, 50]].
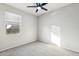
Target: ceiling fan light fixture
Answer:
[[38, 8]]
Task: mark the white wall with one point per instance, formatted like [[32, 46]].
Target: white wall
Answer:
[[27, 33], [67, 19]]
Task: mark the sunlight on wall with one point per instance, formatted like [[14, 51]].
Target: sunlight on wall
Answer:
[[55, 39], [55, 35]]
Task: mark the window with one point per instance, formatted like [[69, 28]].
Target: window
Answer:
[[12, 21]]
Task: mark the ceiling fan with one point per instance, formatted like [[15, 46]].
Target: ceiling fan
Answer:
[[39, 6]]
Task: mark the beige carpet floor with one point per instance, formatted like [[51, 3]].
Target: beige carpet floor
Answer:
[[38, 49]]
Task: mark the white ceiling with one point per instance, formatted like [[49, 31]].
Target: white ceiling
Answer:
[[49, 6]]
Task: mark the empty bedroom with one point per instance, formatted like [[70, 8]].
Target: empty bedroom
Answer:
[[39, 29]]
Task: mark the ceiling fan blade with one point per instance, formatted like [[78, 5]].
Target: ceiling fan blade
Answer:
[[31, 6], [44, 8], [37, 4], [43, 4], [37, 10]]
